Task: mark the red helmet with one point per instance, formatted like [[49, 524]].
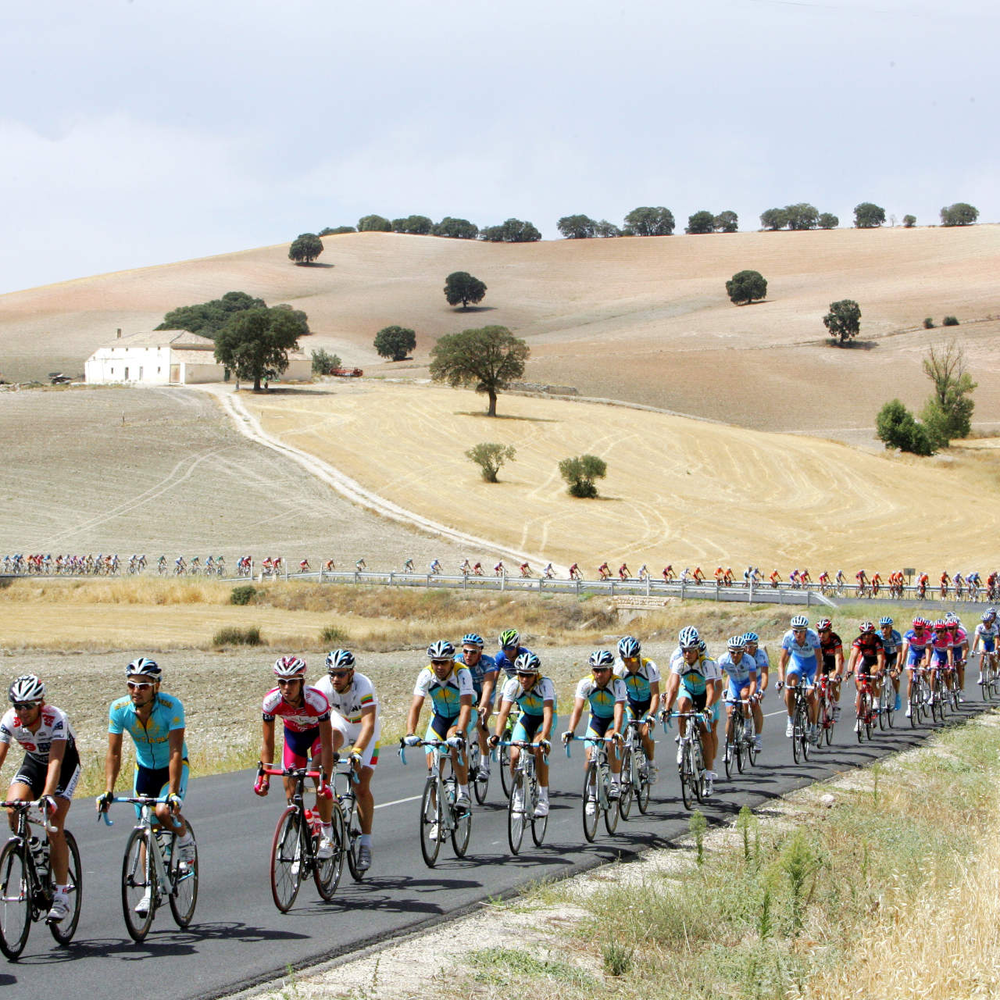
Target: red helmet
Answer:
[[823, 624]]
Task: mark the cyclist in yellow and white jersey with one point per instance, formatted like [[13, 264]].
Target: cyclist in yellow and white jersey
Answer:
[[642, 689]]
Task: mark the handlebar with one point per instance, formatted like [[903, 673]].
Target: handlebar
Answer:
[[24, 805]]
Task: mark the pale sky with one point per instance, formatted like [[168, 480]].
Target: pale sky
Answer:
[[138, 133]]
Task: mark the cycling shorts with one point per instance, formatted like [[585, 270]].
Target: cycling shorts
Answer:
[[829, 664], [941, 657], [527, 726], [734, 692], [300, 748], [865, 666], [807, 671], [155, 781], [439, 726], [598, 725], [637, 709], [33, 773], [350, 731]]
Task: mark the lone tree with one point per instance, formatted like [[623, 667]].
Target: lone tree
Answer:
[[909, 221], [489, 456], [745, 286], [868, 215], [323, 362], [648, 221], [948, 412], [843, 320], [700, 223], [959, 214], [580, 473], [305, 248], [460, 286], [395, 342], [489, 358], [897, 428], [254, 344]]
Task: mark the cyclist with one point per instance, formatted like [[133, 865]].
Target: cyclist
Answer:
[[48, 773], [483, 668], [892, 642], [450, 689], [435, 567], [940, 658], [741, 672], [510, 648], [915, 655], [535, 696], [985, 639], [801, 645], [305, 714], [642, 689], [408, 566], [355, 718], [155, 721], [867, 651], [574, 572], [694, 683], [775, 578], [922, 583], [668, 573], [959, 649], [603, 571], [606, 696], [759, 653], [833, 660]]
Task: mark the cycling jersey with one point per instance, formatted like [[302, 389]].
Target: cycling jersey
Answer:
[[445, 694], [695, 677], [986, 636], [739, 672], [763, 663], [602, 699], [297, 718], [531, 701], [346, 712], [868, 645], [52, 725], [638, 685], [152, 738], [486, 664], [831, 644], [505, 665], [958, 640], [892, 644], [803, 654]]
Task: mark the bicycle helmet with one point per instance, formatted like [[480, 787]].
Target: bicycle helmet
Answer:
[[473, 639], [992, 612], [951, 618], [940, 625], [800, 621], [340, 659], [823, 624], [866, 626], [601, 659], [628, 647], [509, 637], [919, 623], [527, 663], [688, 638], [144, 666], [987, 616], [702, 646], [749, 637], [27, 687], [884, 620], [288, 667], [441, 650], [736, 642]]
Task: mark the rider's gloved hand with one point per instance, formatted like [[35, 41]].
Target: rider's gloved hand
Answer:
[[458, 742], [174, 802], [668, 719], [545, 745], [49, 804], [324, 791], [355, 759], [566, 737], [410, 740], [262, 784], [104, 801], [493, 740], [779, 686]]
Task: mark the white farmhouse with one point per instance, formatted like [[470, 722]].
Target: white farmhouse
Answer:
[[168, 357]]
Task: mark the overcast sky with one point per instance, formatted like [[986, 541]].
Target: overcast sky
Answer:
[[137, 133]]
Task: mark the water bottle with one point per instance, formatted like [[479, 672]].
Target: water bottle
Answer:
[[40, 854]]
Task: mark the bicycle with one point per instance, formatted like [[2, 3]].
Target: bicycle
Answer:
[[886, 707], [800, 721], [347, 801], [294, 849], [691, 766], [865, 712], [990, 680], [152, 870], [479, 778], [503, 751], [920, 694], [439, 816], [635, 778], [26, 883], [827, 708], [597, 787], [523, 798], [740, 744]]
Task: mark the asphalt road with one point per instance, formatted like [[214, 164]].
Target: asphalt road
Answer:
[[238, 938]]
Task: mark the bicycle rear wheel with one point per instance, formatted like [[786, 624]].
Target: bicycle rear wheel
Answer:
[[287, 859], [539, 824], [138, 883], [868, 704], [462, 832], [611, 812], [740, 743], [506, 780], [590, 816], [645, 788], [688, 795], [64, 930], [431, 831], [184, 876], [889, 704], [516, 813], [353, 827], [479, 778], [626, 784], [15, 898], [327, 871], [729, 752], [797, 742]]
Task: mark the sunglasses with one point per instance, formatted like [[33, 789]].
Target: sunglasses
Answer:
[[25, 706], [285, 681], [338, 673], [139, 685], [601, 670], [440, 663], [526, 673]]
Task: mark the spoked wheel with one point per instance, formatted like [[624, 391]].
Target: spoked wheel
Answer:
[[859, 721], [828, 723], [539, 824], [986, 688], [516, 813], [591, 803], [462, 830], [480, 779], [64, 930], [626, 784], [430, 823], [869, 708], [740, 746], [138, 884], [803, 731], [287, 859], [697, 768], [611, 813], [645, 788], [729, 754], [506, 780], [353, 843], [15, 899], [889, 706], [880, 705], [184, 875], [328, 871], [914, 702], [798, 744], [687, 780]]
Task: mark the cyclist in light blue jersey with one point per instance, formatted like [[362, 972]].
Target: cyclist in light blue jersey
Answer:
[[739, 671], [759, 654], [802, 646], [510, 649]]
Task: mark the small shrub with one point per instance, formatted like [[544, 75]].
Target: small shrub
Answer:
[[617, 958], [928, 323], [233, 636], [490, 456], [950, 321], [332, 635], [323, 362], [580, 473], [243, 595], [909, 221]]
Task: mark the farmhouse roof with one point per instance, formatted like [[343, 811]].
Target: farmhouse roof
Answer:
[[177, 339], [192, 357]]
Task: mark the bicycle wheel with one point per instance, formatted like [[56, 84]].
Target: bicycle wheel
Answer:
[[476, 775], [611, 812], [64, 930], [15, 898], [729, 752], [740, 743], [506, 781], [868, 704], [287, 859], [626, 784], [590, 817], [796, 735], [914, 703], [645, 788], [184, 876], [431, 830], [697, 768], [802, 729], [889, 705], [937, 706], [353, 826], [539, 824], [462, 831], [986, 688], [516, 812], [327, 872], [138, 883]]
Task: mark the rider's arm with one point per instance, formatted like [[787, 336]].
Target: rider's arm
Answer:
[[489, 683], [464, 712], [673, 684], [654, 698], [574, 716], [326, 747], [853, 659], [505, 707], [782, 663], [619, 719], [367, 728], [838, 661], [4, 748], [267, 744], [175, 766], [112, 762], [414, 715], [545, 730], [57, 751]]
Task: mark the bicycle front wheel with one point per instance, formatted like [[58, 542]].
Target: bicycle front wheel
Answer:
[[629, 778], [479, 777], [591, 806], [184, 876], [798, 728], [740, 740], [15, 898], [539, 824], [462, 831], [64, 930], [431, 827], [611, 813], [642, 796], [687, 784], [287, 859], [517, 805], [328, 871], [353, 826], [506, 779], [138, 884]]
